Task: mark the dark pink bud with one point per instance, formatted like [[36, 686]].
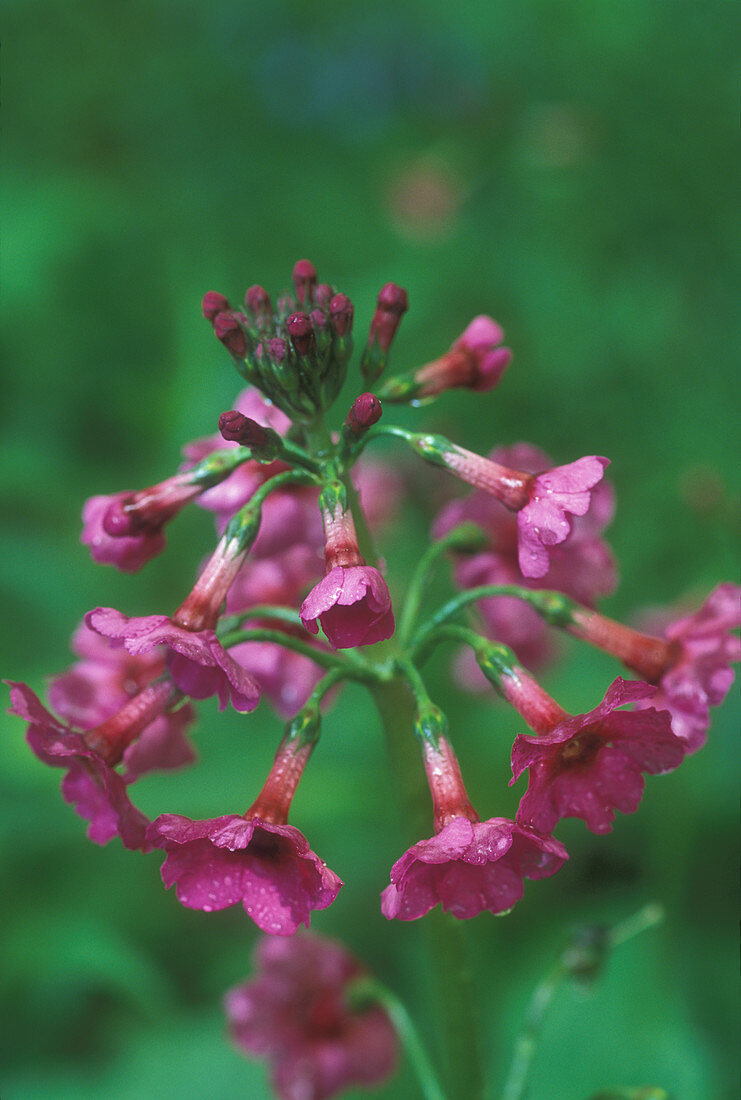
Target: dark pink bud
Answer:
[[304, 280], [318, 320], [301, 332], [277, 349], [213, 303], [392, 304], [323, 295], [240, 429], [341, 311], [229, 331], [364, 413], [257, 302]]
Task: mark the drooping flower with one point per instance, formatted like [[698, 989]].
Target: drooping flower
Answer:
[[256, 859], [581, 567], [352, 601], [197, 662], [690, 665], [91, 785], [99, 685], [295, 1013], [468, 866], [587, 765], [196, 659]]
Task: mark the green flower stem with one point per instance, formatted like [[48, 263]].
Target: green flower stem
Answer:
[[571, 963], [554, 607], [526, 1043], [466, 536], [354, 668], [368, 991], [296, 455], [261, 611], [456, 1013]]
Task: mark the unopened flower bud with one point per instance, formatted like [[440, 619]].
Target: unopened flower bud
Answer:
[[323, 295], [391, 306], [229, 331], [341, 312], [264, 443], [301, 331], [304, 280], [365, 411], [213, 303], [257, 303]]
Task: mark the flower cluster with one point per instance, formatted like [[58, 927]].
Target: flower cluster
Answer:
[[293, 601]]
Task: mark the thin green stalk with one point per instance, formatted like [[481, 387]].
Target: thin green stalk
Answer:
[[354, 669], [577, 960], [369, 990], [527, 1040], [456, 1007], [285, 615], [467, 535], [552, 606]]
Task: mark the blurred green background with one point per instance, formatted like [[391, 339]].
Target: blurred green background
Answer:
[[565, 166]]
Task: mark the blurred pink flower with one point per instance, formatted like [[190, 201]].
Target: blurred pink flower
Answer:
[[295, 1013]]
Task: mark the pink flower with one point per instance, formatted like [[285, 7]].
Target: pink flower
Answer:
[[542, 501], [295, 1013], [470, 867], [588, 765], [699, 675], [581, 567], [352, 604], [197, 661], [127, 552], [258, 859], [102, 683], [475, 361], [97, 792], [267, 867], [690, 665]]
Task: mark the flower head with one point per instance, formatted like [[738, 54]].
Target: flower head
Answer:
[[590, 765], [295, 1013]]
